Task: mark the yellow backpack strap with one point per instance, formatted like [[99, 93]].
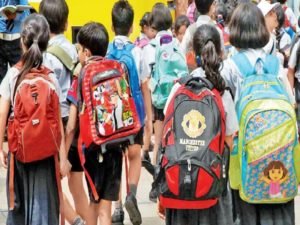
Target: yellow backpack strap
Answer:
[[62, 55]]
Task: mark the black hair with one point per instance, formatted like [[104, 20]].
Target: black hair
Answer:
[[122, 17], [160, 18], [145, 20], [35, 35], [56, 13], [94, 37], [221, 13], [207, 47], [280, 15], [247, 27], [182, 20], [203, 6]]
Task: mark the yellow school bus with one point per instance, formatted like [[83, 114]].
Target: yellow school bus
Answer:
[[83, 11]]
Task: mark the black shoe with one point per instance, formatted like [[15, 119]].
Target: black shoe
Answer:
[[118, 217], [153, 195], [133, 210], [146, 156]]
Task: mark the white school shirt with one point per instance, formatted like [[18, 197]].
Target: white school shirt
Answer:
[[234, 78], [187, 39], [231, 121], [148, 55], [63, 75], [136, 53]]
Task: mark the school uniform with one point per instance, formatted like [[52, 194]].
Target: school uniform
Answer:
[[64, 78], [137, 56], [257, 214], [104, 169], [35, 185], [147, 67], [221, 213]]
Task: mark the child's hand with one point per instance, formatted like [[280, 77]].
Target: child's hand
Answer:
[[3, 159], [161, 211], [65, 167]]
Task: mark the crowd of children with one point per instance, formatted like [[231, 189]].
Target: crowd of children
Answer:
[[236, 52]]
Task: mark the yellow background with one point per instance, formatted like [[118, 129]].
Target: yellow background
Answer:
[[83, 11]]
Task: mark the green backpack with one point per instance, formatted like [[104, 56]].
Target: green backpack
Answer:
[[170, 65]]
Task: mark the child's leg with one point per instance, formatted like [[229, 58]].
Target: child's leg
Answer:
[[94, 209], [134, 157], [147, 142], [79, 195], [104, 212], [158, 129], [70, 213]]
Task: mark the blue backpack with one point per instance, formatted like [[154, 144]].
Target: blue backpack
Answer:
[[264, 163], [170, 65], [122, 54]]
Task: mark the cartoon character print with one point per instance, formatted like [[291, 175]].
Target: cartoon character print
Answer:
[[274, 175]]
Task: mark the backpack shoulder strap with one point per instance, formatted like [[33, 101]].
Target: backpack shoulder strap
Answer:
[[271, 65], [243, 64], [62, 55]]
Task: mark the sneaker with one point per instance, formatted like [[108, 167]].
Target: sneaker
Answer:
[[153, 195], [148, 166], [118, 217], [146, 156], [78, 221], [133, 210]]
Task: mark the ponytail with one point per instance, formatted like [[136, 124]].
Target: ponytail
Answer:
[[211, 63]]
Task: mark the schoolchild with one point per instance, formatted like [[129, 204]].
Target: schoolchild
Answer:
[[271, 21], [181, 24], [60, 51], [146, 32], [122, 21], [207, 9], [207, 47], [35, 183], [290, 17], [105, 174], [247, 18], [161, 22], [283, 40]]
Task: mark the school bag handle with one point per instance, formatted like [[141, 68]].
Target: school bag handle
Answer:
[[196, 81]]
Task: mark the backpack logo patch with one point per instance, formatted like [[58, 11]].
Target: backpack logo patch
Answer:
[[193, 124]]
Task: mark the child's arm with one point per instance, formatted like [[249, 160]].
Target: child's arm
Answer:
[[148, 105], [265, 179], [4, 110], [291, 77], [229, 141], [71, 127], [65, 165]]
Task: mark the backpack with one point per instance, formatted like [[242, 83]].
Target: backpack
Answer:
[[170, 64], [194, 161], [62, 55], [108, 113], [263, 163], [141, 42], [122, 54], [34, 129]]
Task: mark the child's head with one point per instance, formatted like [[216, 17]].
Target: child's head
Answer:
[[145, 26], [34, 40], [275, 171], [248, 28], [206, 7], [122, 17], [93, 41], [280, 16], [207, 47], [269, 13], [56, 13], [160, 18], [221, 13], [181, 24]]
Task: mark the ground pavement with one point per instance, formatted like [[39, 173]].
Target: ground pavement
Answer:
[[147, 208]]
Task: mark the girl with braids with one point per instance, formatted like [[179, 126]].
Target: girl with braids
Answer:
[[34, 196], [207, 48], [249, 35]]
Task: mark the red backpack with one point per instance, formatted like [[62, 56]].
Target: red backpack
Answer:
[[194, 162], [34, 130], [108, 112]]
